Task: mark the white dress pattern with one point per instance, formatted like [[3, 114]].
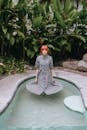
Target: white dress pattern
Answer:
[[44, 77]]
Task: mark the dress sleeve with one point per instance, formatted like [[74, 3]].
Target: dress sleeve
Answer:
[[37, 63], [51, 63]]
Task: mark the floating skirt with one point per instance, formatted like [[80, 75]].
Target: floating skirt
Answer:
[[52, 88]]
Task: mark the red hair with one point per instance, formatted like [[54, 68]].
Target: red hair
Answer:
[[44, 47]]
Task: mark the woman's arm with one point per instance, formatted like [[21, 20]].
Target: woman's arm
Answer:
[[51, 67], [36, 67], [53, 73], [36, 75]]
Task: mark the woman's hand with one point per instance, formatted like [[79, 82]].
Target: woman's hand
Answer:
[[36, 76], [36, 79], [53, 73]]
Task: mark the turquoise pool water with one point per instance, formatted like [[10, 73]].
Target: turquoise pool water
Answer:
[[32, 112]]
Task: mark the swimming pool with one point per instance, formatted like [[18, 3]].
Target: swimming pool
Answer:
[[32, 112]]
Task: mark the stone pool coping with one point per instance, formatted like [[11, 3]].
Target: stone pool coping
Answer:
[[10, 84]]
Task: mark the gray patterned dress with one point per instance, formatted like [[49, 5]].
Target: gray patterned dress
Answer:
[[44, 77]]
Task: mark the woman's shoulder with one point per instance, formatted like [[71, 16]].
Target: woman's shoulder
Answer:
[[50, 57], [39, 57]]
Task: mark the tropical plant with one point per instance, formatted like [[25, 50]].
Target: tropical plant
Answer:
[[25, 25], [12, 26], [65, 17], [39, 17], [10, 65]]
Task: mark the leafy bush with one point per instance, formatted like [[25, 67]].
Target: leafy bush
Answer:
[[26, 25], [11, 65]]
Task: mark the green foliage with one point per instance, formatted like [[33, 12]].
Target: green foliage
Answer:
[[26, 25], [68, 34], [11, 65], [64, 14]]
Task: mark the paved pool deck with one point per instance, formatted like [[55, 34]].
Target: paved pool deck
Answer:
[[9, 85]]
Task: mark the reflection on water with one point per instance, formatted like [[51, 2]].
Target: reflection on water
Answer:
[[29, 110]]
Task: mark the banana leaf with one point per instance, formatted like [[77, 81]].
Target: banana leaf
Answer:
[[59, 5], [59, 19], [67, 6], [37, 21], [80, 37]]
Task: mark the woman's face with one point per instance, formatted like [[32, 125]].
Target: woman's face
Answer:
[[44, 52]]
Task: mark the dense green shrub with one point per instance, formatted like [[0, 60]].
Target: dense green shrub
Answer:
[[11, 65], [26, 25]]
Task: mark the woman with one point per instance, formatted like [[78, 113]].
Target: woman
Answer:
[[44, 83]]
